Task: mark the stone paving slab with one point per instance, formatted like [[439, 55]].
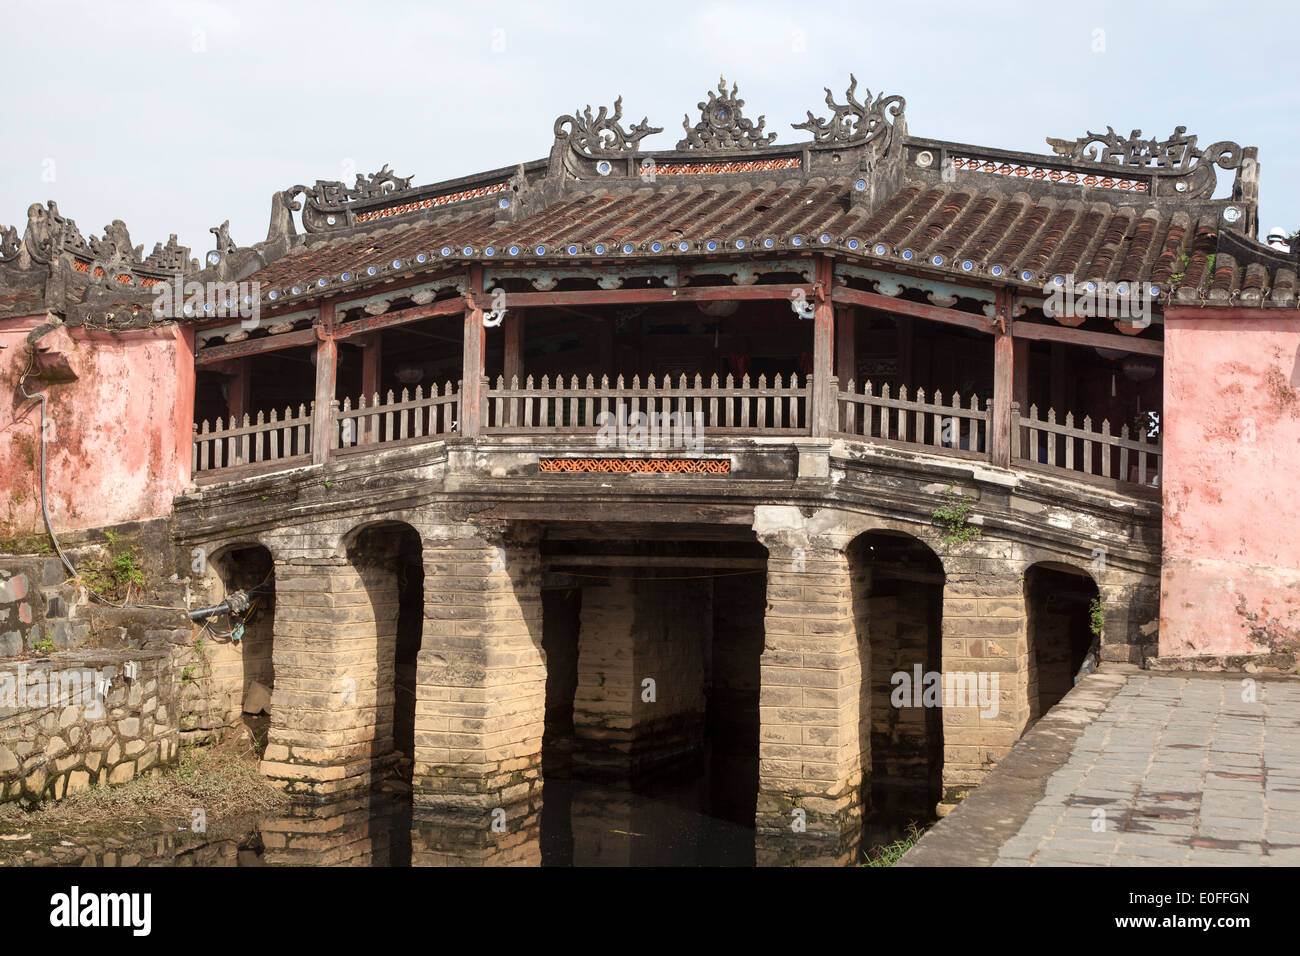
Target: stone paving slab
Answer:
[[1140, 769]]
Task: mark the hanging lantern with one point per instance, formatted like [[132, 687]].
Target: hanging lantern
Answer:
[[719, 308], [408, 373], [1138, 368]]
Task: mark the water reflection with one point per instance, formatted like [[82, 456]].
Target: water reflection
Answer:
[[701, 817]]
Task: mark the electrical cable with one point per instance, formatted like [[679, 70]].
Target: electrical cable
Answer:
[[45, 510]]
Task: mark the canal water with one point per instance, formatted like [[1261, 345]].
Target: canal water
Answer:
[[702, 816]]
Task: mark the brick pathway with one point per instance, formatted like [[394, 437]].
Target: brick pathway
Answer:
[[1139, 769]]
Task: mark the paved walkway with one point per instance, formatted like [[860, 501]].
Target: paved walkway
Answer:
[[1140, 769]]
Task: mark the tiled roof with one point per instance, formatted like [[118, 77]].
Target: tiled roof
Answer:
[[965, 229]]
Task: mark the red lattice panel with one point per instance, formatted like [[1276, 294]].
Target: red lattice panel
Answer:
[[430, 203], [636, 466], [735, 166]]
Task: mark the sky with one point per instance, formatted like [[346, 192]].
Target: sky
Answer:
[[177, 116]]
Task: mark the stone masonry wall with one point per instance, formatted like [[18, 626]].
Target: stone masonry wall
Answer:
[[811, 744], [984, 633], [481, 689], [61, 736], [632, 631]]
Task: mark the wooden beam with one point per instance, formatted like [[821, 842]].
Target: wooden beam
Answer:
[[471, 369], [738, 293], [1042, 332], [271, 343], [843, 295], [402, 316], [823, 398]]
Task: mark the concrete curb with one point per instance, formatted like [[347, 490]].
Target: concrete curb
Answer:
[[972, 833]]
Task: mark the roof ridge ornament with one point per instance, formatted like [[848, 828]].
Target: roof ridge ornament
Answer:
[[853, 122], [1177, 154], [1176, 159], [603, 135], [330, 196], [172, 257], [49, 234], [116, 245], [722, 124], [10, 243]]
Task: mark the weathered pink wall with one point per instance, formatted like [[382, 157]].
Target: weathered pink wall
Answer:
[[120, 447], [1230, 582]]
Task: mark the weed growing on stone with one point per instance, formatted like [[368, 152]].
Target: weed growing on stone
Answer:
[[888, 854], [115, 576], [952, 515], [1096, 615]]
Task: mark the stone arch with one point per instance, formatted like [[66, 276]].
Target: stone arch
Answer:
[[385, 616], [231, 674], [897, 587], [1060, 635]]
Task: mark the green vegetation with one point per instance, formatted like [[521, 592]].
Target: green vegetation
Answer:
[[952, 515], [114, 577], [1097, 615], [43, 646], [890, 853]]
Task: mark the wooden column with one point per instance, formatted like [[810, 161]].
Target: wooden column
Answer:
[[846, 347], [514, 360], [1003, 384], [1057, 399], [371, 364], [372, 358], [327, 357], [240, 389], [906, 336], [822, 402], [1019, 388], [472, 369]]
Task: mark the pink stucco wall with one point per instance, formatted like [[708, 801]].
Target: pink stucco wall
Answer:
[[1230, 582], [120, 440]]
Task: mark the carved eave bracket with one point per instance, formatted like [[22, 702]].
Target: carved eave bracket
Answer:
[[723, 125]]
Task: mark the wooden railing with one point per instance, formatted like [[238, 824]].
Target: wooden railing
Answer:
[[946, 426], [715, 408], [681, 413], [1095, 455], [395, 419], [274, 441]]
